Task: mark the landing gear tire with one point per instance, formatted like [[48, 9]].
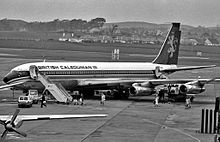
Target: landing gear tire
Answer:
[[116, 95], [121, 95], [88, 93], [192, 98], [125, 95]]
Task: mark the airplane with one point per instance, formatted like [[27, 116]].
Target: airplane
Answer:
[[13, 122], [127, 78]]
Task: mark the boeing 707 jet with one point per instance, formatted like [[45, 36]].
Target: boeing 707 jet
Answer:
[[136, 78]]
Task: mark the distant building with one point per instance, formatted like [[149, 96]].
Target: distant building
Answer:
[[211, 42], [66, 37], [77, 40], [69, 37], [191, 41]]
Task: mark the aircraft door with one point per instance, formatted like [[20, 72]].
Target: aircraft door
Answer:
[[33, 71]]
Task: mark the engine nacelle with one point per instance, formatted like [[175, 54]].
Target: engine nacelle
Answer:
[[138, 90], [191, 89]]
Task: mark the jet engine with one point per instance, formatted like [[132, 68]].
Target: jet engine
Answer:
[[191, 89], [138, 89]]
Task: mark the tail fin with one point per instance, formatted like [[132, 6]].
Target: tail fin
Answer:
[[170, 49]]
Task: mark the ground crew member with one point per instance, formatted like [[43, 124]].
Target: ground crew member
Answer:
[[75, 101], [156, 100], [102, 102], [43, 101], [81, 99], [188, 102], [161, 96]]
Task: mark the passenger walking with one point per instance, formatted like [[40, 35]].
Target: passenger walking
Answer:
[[43, 101], [102, 102]]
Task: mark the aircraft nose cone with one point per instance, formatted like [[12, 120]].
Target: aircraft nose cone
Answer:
[[5, 79]]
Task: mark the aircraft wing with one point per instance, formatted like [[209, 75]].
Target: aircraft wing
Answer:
[[187, 68], [153, 82], [156, 82], [49, 117]]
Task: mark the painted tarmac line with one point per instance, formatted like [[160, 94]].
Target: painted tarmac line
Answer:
[[8, 61], [190, 57], [57, 50], [3, 54], [15, 60], [177, 130], [105, 122], [1, 105], [181, 57], [141, 55]]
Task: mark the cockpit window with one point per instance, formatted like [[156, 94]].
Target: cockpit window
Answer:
[[13, 71]]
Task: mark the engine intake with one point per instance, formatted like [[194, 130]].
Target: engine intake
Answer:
[[183, 89]]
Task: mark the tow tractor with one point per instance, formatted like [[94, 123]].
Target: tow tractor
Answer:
[[33, 94]]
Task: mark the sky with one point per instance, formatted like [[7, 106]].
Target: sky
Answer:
[[189, 12]]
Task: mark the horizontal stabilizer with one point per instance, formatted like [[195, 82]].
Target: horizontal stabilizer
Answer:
[[187, 68]]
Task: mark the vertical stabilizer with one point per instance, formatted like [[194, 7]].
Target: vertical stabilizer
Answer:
[[170, 49]]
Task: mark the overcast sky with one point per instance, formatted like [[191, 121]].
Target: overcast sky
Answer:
[[191, 12]]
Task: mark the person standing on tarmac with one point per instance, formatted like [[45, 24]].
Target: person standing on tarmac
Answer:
[[188, 102], [81, 99], [161, 96], [156, 101], [102, 102], [43, 101]]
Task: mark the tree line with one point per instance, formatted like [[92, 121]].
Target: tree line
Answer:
[[55, 25]]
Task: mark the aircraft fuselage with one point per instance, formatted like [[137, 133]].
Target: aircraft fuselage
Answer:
[[72, 74]]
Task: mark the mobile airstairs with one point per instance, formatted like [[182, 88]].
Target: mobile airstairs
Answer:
[[56, 89]]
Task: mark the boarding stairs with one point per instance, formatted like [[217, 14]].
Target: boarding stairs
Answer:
[[56, 89]]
